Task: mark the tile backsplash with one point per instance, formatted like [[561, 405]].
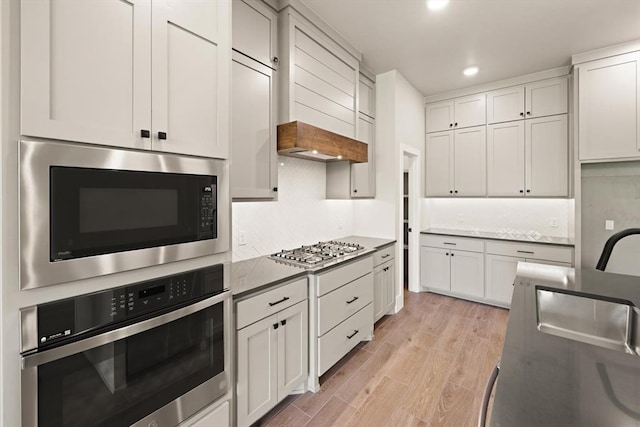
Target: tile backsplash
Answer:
[[526, 216], [301, 215]]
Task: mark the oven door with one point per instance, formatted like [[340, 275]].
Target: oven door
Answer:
[[156, 372], [88, 211]]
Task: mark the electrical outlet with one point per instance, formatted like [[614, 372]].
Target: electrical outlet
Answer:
[[608, 224], [460, 218], [242, 238], [554, 223]]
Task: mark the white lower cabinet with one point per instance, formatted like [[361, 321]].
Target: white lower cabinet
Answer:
[[384, 282], [452, 265], [219, 417], [481, 270], [272, 361]]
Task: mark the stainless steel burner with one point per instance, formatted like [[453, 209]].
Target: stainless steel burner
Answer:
[[318, 254]]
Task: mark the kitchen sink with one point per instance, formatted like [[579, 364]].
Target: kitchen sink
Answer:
[[604, 323]]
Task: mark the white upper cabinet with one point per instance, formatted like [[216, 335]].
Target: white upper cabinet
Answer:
[[363, 175], [456, 113], [547, 157], [86, 71], [538, 99], [134, 74], [455, 163], [367, 96], [528, 158], [255, 31], [439, 116], [505, 159], [191, 60], [546, 98], [504, 105], [609, 108], [469, 111]]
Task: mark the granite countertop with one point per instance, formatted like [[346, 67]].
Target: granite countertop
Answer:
[[549, 380], [492, 235], [255, 274]]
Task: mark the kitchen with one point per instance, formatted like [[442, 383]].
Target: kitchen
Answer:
[[281, 202]]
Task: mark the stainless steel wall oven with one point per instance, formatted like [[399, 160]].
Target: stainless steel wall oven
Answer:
[[150, 353], [87, 211]]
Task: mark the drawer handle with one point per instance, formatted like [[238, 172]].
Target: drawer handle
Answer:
[[385, 256], [385, 269], [447, 243], [353, 334], [353, 300], [526, 252], [279, 301]]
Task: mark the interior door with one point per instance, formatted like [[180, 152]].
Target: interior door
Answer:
[[86, 71], [190, 79]]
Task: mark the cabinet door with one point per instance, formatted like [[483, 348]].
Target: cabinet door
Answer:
[[191, 57], [219, 417], [439, 116], [390, 285], [255, 31], [254, 158], [500, 275], [379, 294], [505, 105], [609, 108], [470, 111], [505, 159], [257, 389], [434, 268], [547, 163], [470, 153], [363, 175], [547, 97], [86, 71], [439, 164], [293, 344], [367, 96], [467, 273]]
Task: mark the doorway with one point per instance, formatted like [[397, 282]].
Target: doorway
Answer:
[[409, 215]]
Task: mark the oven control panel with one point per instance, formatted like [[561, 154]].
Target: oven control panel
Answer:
[[67, 318]]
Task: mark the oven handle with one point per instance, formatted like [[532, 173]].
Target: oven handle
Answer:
[[47, 356]]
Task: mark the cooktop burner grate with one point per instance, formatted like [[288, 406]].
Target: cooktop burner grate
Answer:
[[318, 254]]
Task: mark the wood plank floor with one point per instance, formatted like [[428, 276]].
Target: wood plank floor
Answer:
[[427, 366]]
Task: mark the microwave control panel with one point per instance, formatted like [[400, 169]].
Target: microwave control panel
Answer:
[[208, 221]]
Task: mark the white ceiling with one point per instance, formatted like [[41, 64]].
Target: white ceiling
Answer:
[[505, 38]]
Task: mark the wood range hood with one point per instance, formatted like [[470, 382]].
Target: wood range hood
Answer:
[[302, 140]]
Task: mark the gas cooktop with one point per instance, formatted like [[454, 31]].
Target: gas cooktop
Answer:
[[318, 254]]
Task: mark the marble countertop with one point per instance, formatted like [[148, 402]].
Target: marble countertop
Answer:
[[255, 274], [550, 380], [492, 235]]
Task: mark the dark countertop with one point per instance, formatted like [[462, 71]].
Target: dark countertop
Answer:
[[546, 380], [492, 235], [259, 273]]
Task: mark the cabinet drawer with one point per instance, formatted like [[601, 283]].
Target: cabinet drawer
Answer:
[[446, 242], [341, 303], [383, 255], [260, 306], [333, 279], [341, 339], [531, 251]]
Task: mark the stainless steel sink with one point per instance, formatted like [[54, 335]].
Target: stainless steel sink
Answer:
[[589, 320]]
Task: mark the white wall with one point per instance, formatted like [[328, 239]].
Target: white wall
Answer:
[[500, 215], [301, 215]]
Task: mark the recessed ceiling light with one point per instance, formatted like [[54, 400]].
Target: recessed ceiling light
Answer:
[[470, 71], [437, 4]]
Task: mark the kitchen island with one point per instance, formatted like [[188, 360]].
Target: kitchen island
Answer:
[[570, 356]]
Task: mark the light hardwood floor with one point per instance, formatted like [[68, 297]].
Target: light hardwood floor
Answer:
[[427, 366]]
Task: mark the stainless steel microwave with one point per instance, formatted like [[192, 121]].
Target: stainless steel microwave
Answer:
[[87, 211]]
